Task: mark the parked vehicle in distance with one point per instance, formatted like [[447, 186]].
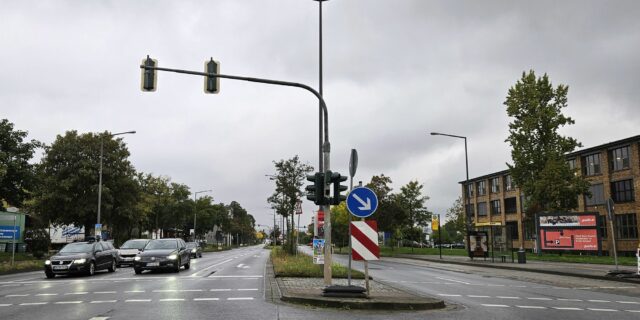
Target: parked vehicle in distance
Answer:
[[129, 250], [82, 257], [458, 245], [170, 253], [195, 249]]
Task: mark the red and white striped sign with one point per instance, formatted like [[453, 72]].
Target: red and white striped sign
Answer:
[[364, 240]]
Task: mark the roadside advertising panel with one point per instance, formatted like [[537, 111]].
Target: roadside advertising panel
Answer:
[[569, 232], [66, 233], [318, 251], [478, 244]]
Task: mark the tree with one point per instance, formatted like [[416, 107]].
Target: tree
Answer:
[[67, 190], [389, 215], [412, 202], [290, 176], [16, 173], [538, 150], [340, 225], [455, 217]]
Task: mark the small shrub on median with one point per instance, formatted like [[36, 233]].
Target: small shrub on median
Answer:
[[301, 265]]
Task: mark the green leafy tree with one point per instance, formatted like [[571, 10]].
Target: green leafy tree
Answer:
[[340, 225], [67, 192], [17, 176], [538, 149], [412, 202], [455, 217], [290, 176], [390, 216]]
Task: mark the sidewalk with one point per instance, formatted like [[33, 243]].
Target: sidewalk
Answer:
[[583, 270], [308, 291]]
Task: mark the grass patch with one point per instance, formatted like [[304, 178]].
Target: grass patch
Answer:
[[214, 248], [23, 265], [390, 252], [302, 266]]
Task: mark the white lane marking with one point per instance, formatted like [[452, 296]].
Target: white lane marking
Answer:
[[138, 300], [544, 299], [103, 301], [220, 290], [134, 291], [531, 307], [495, 305], [33, 303], [241, 298], [598, 300], [171, 299], [452, 280], [630, 302], [104, 292], [190, 290], [495, 285], [503, 297], [46, 294], [475, 296], [195, 274], [247, 289], [567, 308], [573, 300], [448, 295], [605, 310], [99, 318], [235, 276], [68, 302], [16, 295], [636, 311], [167, 290], [69, 293], [206, 299], [5, 304]]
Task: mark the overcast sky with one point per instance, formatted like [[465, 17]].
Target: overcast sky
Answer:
[[394, 70]]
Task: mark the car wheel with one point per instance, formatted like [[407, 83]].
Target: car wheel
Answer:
[[112, 267], [137, 271], [200, 255], [177, 267], [50, 274], [92, 269], [188, 265]]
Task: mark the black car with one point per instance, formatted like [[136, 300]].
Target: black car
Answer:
[[163, 254], [129, 250], [195, 248], [82, 257]]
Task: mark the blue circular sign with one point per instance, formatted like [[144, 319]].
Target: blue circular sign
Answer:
[[362, 202]]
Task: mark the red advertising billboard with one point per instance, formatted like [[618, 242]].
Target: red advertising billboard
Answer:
[[570, 231]]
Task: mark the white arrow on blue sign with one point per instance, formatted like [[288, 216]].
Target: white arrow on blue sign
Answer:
[[362, 202]]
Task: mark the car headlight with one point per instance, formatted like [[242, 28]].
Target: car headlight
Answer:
[[79, 261], [137, 258], [48, 262], [172, 257], [193, 250]]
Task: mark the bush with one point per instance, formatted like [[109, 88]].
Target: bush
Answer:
[[37, 242]]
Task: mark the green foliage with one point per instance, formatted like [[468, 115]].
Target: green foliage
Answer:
[[301, 266], [38, 242], [456, 220], [17, 176], [412, 202], [389, 215], [340, 225], [538, 150]]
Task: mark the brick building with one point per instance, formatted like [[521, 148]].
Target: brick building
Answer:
[[614, 172]]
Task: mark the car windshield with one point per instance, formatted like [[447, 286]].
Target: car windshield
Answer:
[[191, 245], [134, 244], [161, 244], [77, 248]]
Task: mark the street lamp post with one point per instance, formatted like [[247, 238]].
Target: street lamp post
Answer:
[[100, 174], [466, 186], [195, 210]]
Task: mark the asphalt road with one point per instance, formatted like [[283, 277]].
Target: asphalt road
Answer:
[[230, 285]]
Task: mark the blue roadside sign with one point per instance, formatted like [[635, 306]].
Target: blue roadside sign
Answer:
[[362, 202]]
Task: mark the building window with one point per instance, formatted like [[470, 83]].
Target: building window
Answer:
[[591, 164], [597, 195], [482, 188], [482, 209], [619, 158], [495, 207], [510, 205], [508, 183], [512, 229], [622, 191], [495, 185], [529, 229], [470, 209], [469, 190], [572, 164], [626, 226], [602, 220]]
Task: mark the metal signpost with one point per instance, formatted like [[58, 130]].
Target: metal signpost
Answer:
[[362, 202], [353, 166], [610, 213]]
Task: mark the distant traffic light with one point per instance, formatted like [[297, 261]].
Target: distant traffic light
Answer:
[[315, 191], [149, 76], [336, 179], [211, 84]]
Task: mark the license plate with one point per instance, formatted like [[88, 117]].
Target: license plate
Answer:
[[60, 267], [153, 264], [127, 259]]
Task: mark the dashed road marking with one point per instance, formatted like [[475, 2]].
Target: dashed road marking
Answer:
[[449, 295], [5, 304], [248, 289], [16, 295], [503, 297], [71, 293], [574, 300], [206, 299], [629, 302], [104, 292], [242, 298], [166, 290], [531, 307], [104, 301], [46, 294], [138, 300], [135, 291], [191, 290], [598, 300], [476, 296], [495, 305], [220, 290], [171, 299], [33, 303], [68, 302], [636, 311], [543, 299], [605, 310], [568, 308]]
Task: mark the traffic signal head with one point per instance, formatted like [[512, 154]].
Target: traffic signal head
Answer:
[[336, 179], [211, 84], [315, 191], [149, 76]]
